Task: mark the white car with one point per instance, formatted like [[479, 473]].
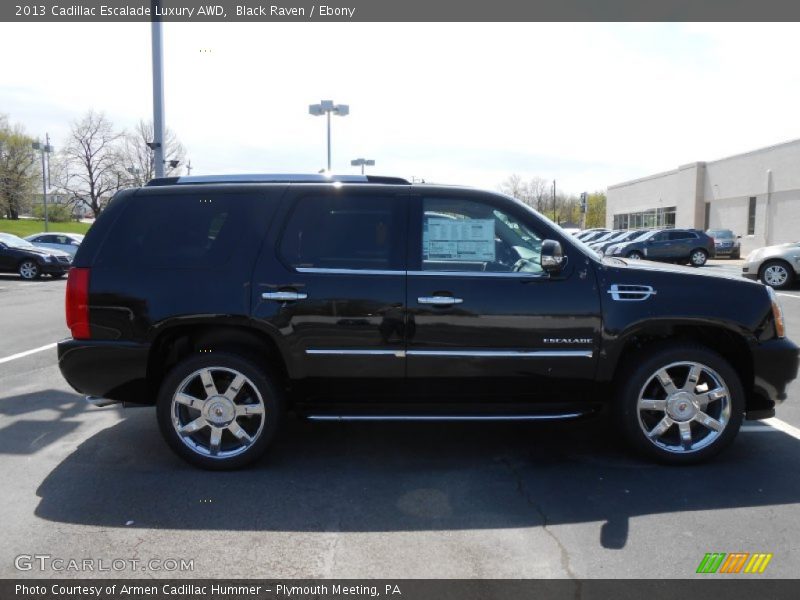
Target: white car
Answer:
[[66, 242]]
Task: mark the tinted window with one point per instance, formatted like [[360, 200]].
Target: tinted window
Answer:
[[681, 235], [465, 235], [345, 232], [751, 216], [176, 232]]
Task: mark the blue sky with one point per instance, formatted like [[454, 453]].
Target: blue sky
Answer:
[[587, 104]]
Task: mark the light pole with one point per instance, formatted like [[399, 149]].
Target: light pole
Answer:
[[362, 162], [326, 107], [555, 219], [157, 145], [43, 149], [134, 172]]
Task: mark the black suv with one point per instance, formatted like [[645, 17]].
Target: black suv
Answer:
[[670, 245], [226, 301]]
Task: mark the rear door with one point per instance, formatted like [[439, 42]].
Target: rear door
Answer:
[[485, 322], [659, 246], [331, 289]]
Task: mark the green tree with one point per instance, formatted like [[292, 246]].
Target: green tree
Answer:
[[18, 174], [596, 210]]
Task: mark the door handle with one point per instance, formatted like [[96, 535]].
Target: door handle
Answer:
[[439, 300], [284, 296]]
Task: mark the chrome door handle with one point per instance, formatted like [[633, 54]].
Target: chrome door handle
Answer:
[[439, 300], [284, 296]]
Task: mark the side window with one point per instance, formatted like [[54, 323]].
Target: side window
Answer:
[[192, 230], [467, 235], [345, 232], [680, 235]]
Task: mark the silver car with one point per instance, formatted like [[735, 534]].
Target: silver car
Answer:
[[66, 242], [775, 266]]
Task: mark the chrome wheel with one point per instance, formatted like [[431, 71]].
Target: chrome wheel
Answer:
[[684, 407], [217, 412], [634, 256], [29, 270], [698, 258], [775, 275]]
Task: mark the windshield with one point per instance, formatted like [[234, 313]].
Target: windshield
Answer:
[[13, 241], [721, 234]]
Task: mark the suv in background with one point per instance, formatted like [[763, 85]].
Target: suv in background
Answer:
[[226, 301], [726, 243], [670, 245]]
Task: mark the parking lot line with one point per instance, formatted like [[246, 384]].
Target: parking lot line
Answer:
[[784, 427], [26, 353], [789, 295]]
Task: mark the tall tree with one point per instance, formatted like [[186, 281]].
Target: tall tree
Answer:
[[536, 192], [596, 210], [91, 163], [18, 174], [138, 158]]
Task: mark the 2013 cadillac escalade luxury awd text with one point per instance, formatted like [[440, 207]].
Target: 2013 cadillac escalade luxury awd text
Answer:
[[227, 300]]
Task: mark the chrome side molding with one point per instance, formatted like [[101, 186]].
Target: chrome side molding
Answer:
[[453, 353], [630, 292], [531, 417]]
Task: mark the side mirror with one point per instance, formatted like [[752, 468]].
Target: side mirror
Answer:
[[552, 257]]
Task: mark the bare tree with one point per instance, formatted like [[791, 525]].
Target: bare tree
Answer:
[[18, 174], [139, 159], [90, 166], [535, 192]]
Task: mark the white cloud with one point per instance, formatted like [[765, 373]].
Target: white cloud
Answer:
[[588, 104]]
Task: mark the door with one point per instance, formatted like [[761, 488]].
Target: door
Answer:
[[332, 290], [683, 242], [659, 246], [485, 321]]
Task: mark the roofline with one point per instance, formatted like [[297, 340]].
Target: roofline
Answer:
[[276, 178]]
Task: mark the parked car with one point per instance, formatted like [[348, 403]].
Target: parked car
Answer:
[[775, 266], [227, 300], [589, 232], [594, 235], [726, 243], [66, 242], [619, 238], [670, 245], [20, 256]]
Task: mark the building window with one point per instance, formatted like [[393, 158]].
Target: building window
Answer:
[[751, 216], [707, 216], [648, 219]]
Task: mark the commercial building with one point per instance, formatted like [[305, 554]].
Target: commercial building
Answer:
[[756, 194]]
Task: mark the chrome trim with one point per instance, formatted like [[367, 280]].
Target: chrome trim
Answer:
[[355, 352], [445, 417], [515, 275], [504, 353], [623, 292], [272, 178], [439, 300], [454, 353], [348, 271], [284, 296]]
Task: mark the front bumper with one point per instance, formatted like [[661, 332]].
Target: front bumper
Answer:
[[750, 270], [54, 268], [775, 365], [106, 369]]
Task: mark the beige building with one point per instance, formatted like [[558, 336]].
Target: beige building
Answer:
[[756, 194]]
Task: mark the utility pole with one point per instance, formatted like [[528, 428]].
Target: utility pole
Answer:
[[157, 145], [45, 148], [555, 218], [189, 168], [584, 208]]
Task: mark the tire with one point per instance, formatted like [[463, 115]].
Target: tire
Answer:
[[776, 274], [242, 434], [655, 421], [56, 275], [634, 255], [28, 269], [698, 257]]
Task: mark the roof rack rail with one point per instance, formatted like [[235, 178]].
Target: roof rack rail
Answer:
[[277, 178]]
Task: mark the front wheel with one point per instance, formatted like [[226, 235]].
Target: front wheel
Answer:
[[680, 405], [219, 411], [775, 274], [698, 257], [28, 269], [634, 255]]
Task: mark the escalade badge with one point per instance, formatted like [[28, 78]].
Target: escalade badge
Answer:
[[567, 340]]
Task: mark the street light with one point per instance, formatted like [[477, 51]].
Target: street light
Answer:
[[362, 162], [43, 149], [326, 107]]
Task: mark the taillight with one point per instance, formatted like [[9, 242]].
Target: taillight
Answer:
[[78, 303]]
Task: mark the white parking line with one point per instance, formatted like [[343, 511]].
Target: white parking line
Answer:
[[789, 295], [26, 353], [783, 427]]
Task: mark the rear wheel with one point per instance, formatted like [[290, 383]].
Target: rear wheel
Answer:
[[28, 269], [219, 411], [698, 257], [682, 404], [776, 274]]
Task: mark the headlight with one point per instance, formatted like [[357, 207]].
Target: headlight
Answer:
[[777, 313], [49, 258]]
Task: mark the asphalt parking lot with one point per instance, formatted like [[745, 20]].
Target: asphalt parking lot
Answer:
[[371, 500]]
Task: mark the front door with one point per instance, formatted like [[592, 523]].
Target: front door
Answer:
[[331, 288], [485, 321]]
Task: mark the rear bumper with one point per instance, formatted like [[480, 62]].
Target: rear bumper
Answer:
[[775, 365], [106, 369]]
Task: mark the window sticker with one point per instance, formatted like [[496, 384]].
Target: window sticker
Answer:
[[458, 240]]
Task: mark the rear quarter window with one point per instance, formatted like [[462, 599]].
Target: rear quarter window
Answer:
[[176, 231]]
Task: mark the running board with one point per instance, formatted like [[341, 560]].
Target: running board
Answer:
[[550, 417]]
